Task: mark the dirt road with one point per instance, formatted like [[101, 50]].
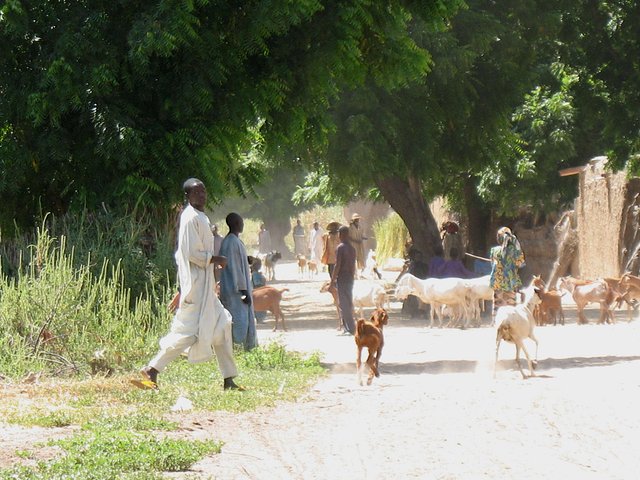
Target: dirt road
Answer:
[[436, 412]]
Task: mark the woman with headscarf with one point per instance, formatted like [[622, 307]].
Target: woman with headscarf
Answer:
[[506, 259]]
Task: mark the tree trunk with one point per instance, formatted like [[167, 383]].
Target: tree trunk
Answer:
[[279, 227], [405, 197], [566, 249], [477, 219]]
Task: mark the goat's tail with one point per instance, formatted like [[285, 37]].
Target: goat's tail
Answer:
[[360, 327]]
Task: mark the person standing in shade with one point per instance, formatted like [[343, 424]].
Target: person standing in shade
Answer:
[[258, 280], [200, 324], [506, 259], [217, 243], [451, 240], [315, 243], [342, 278], [357, 238], [235, 285], [298, 239], [264, 240], [330, 241]]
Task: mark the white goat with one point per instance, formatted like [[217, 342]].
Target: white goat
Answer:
[[436, 292], [479, 292], [368, 294], [514, 324]]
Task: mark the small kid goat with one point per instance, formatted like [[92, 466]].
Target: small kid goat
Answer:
[[369, 334]]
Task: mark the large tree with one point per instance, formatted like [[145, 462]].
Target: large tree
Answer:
[[437, 136], [111, 101], [599, 43]]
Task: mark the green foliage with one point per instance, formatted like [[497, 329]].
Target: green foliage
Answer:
[[143, 248], [447, 127], [102, 103], [59, 317], [274, 356], [545, 125], [391, 236], [599, 41], [115, 454], [270, 372]]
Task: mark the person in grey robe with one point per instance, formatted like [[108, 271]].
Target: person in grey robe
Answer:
[[235, 285], [299, 244]]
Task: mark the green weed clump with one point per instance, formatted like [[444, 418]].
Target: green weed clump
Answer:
[[58, 317], [116, 454], [391, 237]]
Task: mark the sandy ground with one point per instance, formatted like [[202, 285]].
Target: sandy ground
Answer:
[[437, 412]]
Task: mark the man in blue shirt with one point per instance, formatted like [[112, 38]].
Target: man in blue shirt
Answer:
[[343, 277]]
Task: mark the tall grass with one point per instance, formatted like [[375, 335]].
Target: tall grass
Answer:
[[57, 316], [143, 245], [391, 237]]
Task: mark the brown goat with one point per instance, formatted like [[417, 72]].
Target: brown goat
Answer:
[[327, 287], [302, 264], [550, 306], [369, 334], [268, 298], [627, 290], [312, 266], [585, 292]]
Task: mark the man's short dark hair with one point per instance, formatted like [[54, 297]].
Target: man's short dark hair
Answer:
[[232, 219], [190, 183], [343, 229]]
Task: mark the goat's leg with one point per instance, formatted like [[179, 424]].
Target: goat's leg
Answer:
[[535, 360], [526, 354], [495, 365], [275, 316], [518, 344], [582, 320], [431, 314], [284, 328], [359, 364], [371, 361], [378, 353]]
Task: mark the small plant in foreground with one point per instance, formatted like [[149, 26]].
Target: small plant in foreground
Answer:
[[111, 454]]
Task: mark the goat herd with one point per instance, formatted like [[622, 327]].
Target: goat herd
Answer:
[[462, 300]]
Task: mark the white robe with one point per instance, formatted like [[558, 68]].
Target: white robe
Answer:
[[316, 244], [200, 313]]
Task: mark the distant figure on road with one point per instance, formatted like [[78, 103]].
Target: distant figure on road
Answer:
[[330, 242], [315, 243], [300, 247], [264, 240], [217, 243], [357, 238], [258, 280], [451, 240]]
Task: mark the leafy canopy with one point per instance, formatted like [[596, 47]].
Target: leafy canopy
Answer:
[[109, 101]]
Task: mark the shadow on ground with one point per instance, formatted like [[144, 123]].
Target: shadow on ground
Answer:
[[470, 366]]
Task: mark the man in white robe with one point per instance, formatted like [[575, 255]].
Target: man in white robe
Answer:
[[236, 288], [201, 324], [316, 244]]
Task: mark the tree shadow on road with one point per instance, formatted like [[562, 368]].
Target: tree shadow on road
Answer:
[[469, 366]]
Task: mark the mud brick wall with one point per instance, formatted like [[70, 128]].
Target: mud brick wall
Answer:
[[600, 208]]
